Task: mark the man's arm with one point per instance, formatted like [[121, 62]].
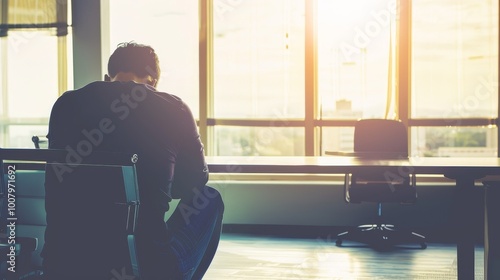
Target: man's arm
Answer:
[[191, 170], [60, 123]]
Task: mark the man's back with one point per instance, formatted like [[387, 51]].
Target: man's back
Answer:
[[116, 117]]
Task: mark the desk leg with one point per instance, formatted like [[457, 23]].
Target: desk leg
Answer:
[[492, 231], [465, 229]]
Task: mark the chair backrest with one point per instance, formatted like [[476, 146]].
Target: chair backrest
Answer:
[[88, 230], [382, 137], [28, 200]]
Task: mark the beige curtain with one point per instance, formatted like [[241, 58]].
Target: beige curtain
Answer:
[[50, 15]]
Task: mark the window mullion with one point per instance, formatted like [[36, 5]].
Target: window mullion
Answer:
[[403, 67], [62, 64], [206, 74], [311, 83], [498, 99]]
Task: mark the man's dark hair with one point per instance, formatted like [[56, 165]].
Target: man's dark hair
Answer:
[[134, 58]]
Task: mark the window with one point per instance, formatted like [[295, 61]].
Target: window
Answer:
[[258, 74], [455, 141], [455, 59], [35, 98], [171, 28], [291, 77], [355, 58], [287, 77], [259, 60], [455, 77], [356, 61], [33, 69], [31, 85]]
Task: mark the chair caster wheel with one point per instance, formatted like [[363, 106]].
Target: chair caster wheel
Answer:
[[423, 245], [338, 242]]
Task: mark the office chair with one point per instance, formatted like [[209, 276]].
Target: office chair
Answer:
[[26, 201], [380, 139], [27, 175]]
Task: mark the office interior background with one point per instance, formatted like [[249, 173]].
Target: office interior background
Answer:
[[280, 78]]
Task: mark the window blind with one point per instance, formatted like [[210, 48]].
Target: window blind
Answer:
[[47, 15]]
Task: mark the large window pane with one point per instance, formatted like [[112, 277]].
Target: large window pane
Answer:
[[32, 85], [454, 141], [355, 50], [259, 59], [337, 139], [455, 58], [259, 141], [171, 28]]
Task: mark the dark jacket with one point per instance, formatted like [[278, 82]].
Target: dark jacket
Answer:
[[117, 117]]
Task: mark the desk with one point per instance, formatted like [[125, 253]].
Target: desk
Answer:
[[463, 170]]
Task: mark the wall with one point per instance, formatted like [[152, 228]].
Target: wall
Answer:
[[322, 204]]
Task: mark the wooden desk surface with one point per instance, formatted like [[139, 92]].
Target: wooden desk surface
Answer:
[[339, 164]]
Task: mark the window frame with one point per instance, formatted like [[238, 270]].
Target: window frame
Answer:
[[61, 30], [312, 123]]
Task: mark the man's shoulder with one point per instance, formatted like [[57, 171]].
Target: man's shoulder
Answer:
[[87, 88], [120, 90], [171, 98]]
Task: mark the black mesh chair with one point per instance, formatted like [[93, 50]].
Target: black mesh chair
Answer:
[[23, 172], [380, 139]]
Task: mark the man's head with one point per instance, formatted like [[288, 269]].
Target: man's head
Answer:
[[133, 62]]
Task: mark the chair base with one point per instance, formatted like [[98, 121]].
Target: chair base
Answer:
[[381, 236]]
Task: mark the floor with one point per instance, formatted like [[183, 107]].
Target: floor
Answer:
[[243, 256]]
